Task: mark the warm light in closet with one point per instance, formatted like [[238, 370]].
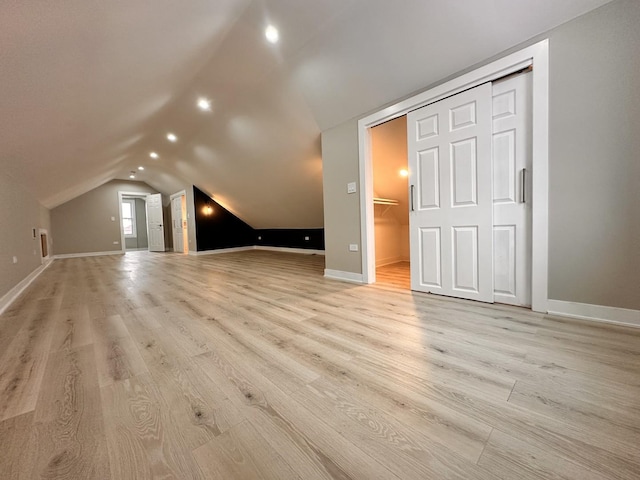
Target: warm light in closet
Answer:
[[404, 173]]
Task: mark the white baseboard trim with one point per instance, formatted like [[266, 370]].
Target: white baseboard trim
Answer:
[[9, 297], [306, 251], [599, 313], [220, 250], [136, 250], [87, 254], [344, 276]]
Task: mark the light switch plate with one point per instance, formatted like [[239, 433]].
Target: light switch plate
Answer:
[[351, 187], [353, 247]]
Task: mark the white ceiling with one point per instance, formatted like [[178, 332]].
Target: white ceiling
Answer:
[[89, 87]]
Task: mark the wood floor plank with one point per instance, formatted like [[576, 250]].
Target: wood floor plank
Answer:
[[509, 457], [72, 329], [17, 454], [144, 441], [409, 453], [23, 363], [196, 403], [69, 438], [117, 357], [565, 406], [312, 448], [242, 452]]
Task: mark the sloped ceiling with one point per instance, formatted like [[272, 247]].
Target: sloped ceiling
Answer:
[[89, 87]]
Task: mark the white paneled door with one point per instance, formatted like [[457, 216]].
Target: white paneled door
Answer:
[[155, 222], [512, 167], [451, 218], [176, 220]]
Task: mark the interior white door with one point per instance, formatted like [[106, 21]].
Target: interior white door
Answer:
[[176, 224], [451, 218], [512, 168], [155, 222]]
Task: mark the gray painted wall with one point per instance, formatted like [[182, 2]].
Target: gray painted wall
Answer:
[[20, 213], [341, 210], [84, 225], [594, 198]]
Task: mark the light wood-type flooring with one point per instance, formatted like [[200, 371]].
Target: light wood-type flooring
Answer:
[[253, 366], [396, 274]]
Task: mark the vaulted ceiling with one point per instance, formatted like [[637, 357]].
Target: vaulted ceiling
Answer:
[[88, 88]]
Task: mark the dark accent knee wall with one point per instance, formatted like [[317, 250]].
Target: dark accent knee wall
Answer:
[[222, 229], [291, 238]]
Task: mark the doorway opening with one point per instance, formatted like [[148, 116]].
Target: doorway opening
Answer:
[[141, 218], [391, 203], [133, 214]]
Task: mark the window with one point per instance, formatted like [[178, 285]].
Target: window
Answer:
[[129, 217]]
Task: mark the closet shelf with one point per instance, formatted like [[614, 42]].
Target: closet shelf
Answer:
[[385, 201]]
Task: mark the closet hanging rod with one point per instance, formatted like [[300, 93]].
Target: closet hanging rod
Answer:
[[385, 201]]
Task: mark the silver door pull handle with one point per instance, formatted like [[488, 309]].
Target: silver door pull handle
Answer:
[[523, 185], [412, 190]]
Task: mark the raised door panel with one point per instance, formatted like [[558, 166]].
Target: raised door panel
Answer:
[[465, 258], [430, 257], [428, 179], [512, 216], [451, 227], [464, 179]]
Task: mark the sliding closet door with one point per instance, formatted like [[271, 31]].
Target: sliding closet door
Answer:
[[451, 218]]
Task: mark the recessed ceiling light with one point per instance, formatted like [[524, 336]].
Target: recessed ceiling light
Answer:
[[404, 173], [204, 104], [132, 176], [140, 168], [154, 155], [272, 34], [171, 137]]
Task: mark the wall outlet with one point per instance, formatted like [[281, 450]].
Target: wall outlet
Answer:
[[351, 187], [113, 219], [306, 239], [353, 247], [15, 259]]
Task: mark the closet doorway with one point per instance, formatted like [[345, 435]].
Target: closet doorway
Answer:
[[391, 203]]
